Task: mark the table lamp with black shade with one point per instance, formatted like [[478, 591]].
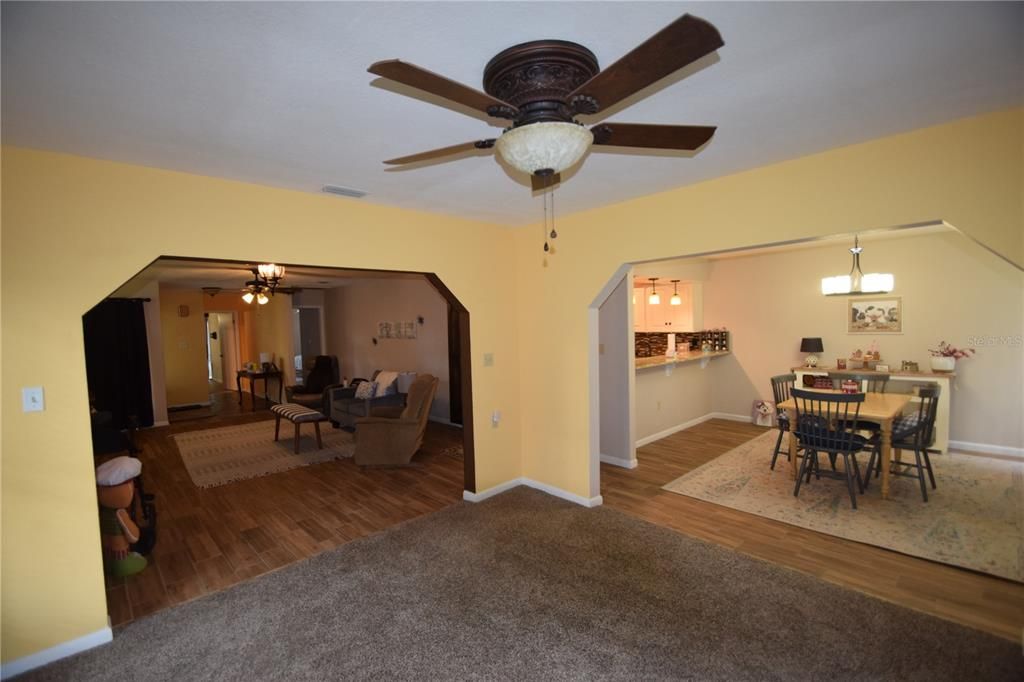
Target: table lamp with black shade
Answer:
[[812, 345]]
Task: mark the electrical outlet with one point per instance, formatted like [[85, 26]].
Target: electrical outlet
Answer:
[[488, 359], [32, 399]]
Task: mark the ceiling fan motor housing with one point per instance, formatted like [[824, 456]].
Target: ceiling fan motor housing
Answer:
[[537, 78]]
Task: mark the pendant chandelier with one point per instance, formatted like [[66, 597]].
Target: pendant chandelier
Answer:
[[676, 298], [654, 298], [266, 277], [857, 283]]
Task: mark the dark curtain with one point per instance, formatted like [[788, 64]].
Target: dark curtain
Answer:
[[117, 361]]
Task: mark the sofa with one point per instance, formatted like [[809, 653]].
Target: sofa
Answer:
[[347, 404]]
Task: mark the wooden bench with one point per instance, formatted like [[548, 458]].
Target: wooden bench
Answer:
[[298, 415]]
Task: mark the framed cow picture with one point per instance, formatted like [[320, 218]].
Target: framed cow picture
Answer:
[[875, 315]]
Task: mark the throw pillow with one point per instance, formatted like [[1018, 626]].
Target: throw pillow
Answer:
[[365, 390]]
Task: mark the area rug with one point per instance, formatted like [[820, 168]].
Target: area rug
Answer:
[[233, 453], [525, 586], [974, 519]]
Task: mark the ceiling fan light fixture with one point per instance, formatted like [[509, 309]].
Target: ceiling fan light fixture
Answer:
[[262, 298], [248, 296], [270, 271], [546, 146]]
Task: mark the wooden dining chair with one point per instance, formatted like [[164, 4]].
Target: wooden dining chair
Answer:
[[871, 382], [819, 428], [781, 387], [914, 432]]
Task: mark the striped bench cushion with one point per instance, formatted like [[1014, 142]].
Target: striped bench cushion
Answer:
[[297, 414]]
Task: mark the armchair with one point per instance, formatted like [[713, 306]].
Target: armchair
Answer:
[[390, 439], [314, 391]]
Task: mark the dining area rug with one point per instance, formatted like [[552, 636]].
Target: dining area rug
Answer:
[[218, 456], [974, 519]]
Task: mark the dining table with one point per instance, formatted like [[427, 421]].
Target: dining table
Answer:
[[881, 408]]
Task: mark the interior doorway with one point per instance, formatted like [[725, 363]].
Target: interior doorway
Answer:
[[308, 337], [677, 383], [222, 347], [338, 312]]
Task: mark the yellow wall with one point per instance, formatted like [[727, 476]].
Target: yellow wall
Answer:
[[184, 341], [64, 250], [74, 229], [968, 172], [233, 301], [272, 333]]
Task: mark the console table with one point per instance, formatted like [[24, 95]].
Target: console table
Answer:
[[904, 383], [253, 376]]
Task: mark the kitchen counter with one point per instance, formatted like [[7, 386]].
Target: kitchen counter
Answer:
[[679, 359], [891, 373]]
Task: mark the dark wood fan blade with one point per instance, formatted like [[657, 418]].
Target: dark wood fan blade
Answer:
[[682, 42], [443, 151], [539, 182], [652, 136], [428, 81]]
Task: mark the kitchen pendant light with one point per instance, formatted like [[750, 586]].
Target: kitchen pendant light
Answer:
[[857, 283], [676, 299], [654, 298]]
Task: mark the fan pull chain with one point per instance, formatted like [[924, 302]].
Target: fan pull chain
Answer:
[[544, 229], [554, 235]]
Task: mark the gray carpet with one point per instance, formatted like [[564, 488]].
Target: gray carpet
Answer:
[[526, 586]]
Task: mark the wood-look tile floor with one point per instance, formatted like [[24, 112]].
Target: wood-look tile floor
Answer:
[[974, 599], [210, 539]]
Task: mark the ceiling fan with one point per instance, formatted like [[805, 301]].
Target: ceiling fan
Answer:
[[541, 85]]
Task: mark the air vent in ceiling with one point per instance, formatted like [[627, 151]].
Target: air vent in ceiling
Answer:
[[344, 191]]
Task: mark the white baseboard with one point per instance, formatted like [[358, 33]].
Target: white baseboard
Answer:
[[161, 423], [987, 448], [537, 485], [491, 492], [55, 653], [595, 501], [674, 429], [687, 424], [619, 461], [731, 417]]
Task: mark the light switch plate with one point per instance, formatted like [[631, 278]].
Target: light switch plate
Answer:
[[32, 399], [488, 359]]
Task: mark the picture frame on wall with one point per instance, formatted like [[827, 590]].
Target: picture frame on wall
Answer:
[[875, 315]]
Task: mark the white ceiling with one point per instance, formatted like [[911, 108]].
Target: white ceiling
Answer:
[[278, 93]]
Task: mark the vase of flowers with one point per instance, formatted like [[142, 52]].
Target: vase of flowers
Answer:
[[945, 356]]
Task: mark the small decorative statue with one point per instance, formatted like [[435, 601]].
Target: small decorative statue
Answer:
[[115, 489]]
